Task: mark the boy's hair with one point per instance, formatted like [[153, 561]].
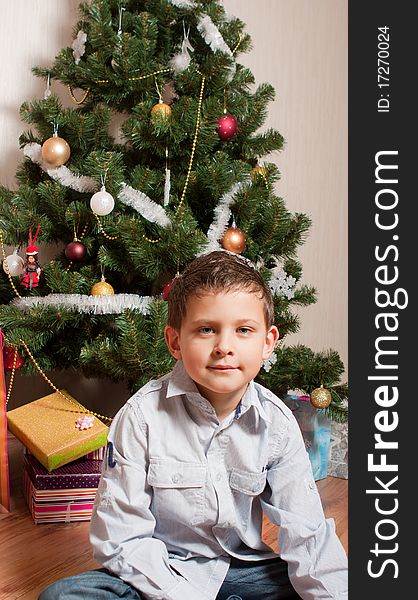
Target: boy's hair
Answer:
[[217, 271]]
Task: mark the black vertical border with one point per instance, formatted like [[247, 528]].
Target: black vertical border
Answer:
[[370, 132]]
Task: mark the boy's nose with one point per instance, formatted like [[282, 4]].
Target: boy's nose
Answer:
[[222, 348]]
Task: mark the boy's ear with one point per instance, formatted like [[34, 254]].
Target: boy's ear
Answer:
[[272, 337], [173, 342]]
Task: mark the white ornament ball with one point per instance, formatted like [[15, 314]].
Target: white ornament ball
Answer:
[[102, 203], [15, 264]]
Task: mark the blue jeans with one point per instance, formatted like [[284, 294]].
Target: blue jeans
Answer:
[[264, 580]]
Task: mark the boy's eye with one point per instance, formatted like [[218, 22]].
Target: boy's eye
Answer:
[[244, 330], [205, 330]]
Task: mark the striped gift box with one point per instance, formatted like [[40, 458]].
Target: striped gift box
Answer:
[[63, 496], [59, 510], [98, 454]]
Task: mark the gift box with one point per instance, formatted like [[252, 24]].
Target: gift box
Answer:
[[49, 428], [80, 473], [98, 454], [316, 432], [65, 495], [58, 506]]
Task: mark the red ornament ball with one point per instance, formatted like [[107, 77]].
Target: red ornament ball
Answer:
[[167, 289], [9, 357], [75, 251], [227, 127]]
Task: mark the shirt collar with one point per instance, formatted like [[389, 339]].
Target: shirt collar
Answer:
[[181, 383]]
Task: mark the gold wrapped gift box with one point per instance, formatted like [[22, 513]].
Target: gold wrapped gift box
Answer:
[[47, 427]]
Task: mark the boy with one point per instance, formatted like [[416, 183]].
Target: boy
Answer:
[[195, 457]]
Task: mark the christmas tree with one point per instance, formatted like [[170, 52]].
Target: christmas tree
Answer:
[[185, 174]]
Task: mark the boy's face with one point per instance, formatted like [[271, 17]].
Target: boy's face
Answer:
[[222, 342]]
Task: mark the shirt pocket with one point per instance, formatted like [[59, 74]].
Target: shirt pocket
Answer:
[[178, 490], [247, 482]]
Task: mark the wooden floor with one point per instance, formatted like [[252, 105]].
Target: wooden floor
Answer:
[[32, 556]]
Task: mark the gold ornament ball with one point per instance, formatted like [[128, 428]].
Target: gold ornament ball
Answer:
[[258, 171], [161, 111], [102, 288], [234, 240], [320, 397], [55, 151]]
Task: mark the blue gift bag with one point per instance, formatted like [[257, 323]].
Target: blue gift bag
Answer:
[[316, 431]]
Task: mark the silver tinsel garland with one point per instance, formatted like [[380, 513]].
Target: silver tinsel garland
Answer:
[[214, 39], [139, 201], [146, 207], [79, 183], [222, 214], [210, 34], [98, 305]]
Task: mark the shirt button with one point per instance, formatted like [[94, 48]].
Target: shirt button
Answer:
[[176, 478], [218, 477], [312, 485]]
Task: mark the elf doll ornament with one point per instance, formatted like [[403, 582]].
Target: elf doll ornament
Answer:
[[32, 271]]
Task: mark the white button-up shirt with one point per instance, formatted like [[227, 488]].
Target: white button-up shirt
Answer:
[[181, 493]]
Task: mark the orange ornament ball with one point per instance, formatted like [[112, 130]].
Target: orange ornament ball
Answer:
[[234, 240]]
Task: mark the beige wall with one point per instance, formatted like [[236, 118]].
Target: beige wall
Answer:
[[300, 47]]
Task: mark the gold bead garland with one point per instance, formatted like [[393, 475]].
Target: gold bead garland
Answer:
[[139, 77], [12, 376], [151, 241], [86, 93], [54, 387], [23, 343], [83, 99], [238, 44], [189, 170], [107, 236]]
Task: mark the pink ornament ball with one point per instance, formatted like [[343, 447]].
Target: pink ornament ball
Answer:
[[227, 127]]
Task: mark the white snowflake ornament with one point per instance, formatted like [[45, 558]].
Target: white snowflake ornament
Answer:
[[281, 284], [269, 362]]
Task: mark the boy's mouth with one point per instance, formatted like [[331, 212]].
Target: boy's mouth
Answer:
[[222, 367]]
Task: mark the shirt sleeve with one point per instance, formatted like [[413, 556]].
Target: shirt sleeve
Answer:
[[317, 562], [122, 524]]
